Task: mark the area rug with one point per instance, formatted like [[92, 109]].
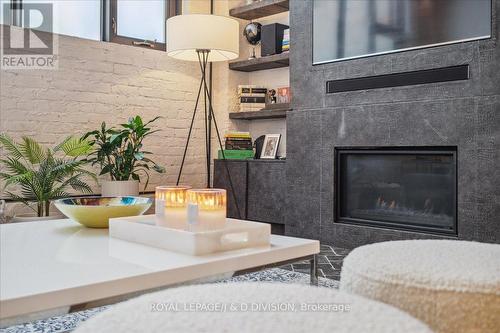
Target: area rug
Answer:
[[69, 322]]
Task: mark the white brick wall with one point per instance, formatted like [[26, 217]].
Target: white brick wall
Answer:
[[99, 81]]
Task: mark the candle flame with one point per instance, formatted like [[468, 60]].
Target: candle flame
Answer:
[[208, 199], [174, 196]]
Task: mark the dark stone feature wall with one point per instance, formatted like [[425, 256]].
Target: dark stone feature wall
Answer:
[[259, 186], [465, 114], [266, 191], [238, 171]]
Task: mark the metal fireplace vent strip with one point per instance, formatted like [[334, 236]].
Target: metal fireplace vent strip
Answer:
[[444, 74]]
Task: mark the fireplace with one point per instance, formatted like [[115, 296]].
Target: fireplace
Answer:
[[407, 188]]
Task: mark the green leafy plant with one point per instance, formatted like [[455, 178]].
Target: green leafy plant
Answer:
[[119, 152], [44, 174]]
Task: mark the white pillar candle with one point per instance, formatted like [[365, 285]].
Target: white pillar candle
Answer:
[[206, 209], [171, 206]]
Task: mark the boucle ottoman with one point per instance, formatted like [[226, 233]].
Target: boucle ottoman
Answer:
[[453, 286], [252, 307]]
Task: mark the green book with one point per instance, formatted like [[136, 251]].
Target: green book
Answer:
[[236, 154]]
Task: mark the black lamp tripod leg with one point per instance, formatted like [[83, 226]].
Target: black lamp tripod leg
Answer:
[[211, 110], [189, 133], [203, 62]]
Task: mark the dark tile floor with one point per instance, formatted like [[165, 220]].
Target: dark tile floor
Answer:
[[329, 262]]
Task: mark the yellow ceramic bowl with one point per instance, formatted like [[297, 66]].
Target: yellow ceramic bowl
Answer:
[[95, 212]]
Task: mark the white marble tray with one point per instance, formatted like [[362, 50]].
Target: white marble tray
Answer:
[[237, 234]]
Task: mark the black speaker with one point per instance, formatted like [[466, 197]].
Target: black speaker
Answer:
[[272, 39]]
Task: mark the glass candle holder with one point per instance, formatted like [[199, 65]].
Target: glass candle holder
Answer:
[[171, 206], [206, 209]]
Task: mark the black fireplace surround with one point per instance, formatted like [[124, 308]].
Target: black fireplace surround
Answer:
[[460, 113], [409, 188]]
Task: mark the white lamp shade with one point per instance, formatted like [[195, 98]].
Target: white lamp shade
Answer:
[[188, 33]]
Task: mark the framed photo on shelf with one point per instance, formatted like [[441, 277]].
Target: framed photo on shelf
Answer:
[[270, 146]]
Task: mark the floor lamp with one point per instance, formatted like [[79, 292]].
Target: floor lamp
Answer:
[[203, 38]]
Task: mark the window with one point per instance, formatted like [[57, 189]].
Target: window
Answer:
[[131, 22], [75, 17], [70, 17], [140, 22]]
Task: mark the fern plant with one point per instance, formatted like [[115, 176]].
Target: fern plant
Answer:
[[41, 174]]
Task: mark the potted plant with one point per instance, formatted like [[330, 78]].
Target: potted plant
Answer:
[[41, 174], [119, 153]]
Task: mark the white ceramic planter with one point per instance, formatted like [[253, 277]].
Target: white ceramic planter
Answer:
[[117, 188]]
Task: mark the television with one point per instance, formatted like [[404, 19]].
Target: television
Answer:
[[348, 29]]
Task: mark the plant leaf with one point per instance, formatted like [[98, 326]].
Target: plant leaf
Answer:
[[74, 147], [32, 150], [159, 168], [11, 146]]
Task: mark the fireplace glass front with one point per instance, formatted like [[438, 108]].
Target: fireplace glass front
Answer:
[[402, 188]]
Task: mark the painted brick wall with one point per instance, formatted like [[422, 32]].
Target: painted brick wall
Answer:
[[99, 81]]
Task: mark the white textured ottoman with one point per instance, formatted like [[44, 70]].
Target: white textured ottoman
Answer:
[[453, 286], [251, 307]]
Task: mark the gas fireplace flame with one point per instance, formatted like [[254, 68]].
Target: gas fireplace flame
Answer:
[[381, 203], [394, 205]]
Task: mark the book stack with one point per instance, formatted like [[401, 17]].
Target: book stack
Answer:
[[251, 98], [238, 141], [285, 46], [238, 145]]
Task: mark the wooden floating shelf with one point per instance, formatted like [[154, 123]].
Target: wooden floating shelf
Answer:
[[260, 8], [262, 63], [272, 113]]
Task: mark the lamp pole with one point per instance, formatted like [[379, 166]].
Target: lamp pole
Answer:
[[203, 60]]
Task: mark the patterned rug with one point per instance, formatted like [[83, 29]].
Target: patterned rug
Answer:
[[69, 322]]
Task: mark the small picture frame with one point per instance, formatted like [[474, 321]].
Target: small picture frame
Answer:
[[270, 146]]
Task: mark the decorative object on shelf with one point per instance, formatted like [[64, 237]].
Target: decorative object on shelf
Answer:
[[238, 141], [271, 96], [259, 143], [270, 146], [252, 33], [171, 206], [236, 154], [42, 175], [95, 212], [238, 145], [251, 98], [120, 153], [272, 39], [285, 45], [219, 42], [283, 95], [206, 209]]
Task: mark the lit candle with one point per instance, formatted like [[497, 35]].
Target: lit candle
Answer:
[[171, 206], [206, 209]]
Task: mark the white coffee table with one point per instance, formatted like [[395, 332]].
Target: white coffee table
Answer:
[[53, 264]]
